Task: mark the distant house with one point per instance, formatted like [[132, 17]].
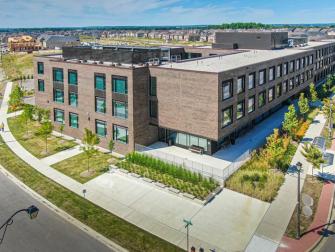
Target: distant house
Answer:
[[58, 41], [23, 44]]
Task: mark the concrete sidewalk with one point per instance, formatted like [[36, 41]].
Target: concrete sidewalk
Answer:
[[60, 156], [273, 226]]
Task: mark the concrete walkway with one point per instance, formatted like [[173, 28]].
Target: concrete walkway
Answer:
[[60, 156], [270, 231], [226, 224]]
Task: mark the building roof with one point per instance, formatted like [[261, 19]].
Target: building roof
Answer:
[[223, 63]]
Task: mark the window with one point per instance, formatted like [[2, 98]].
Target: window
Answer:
[[311, 59], [227, 117], [74, 120], [261, 99], [285, 86], [153, 86], [297, 65], [240, 109], [292, 66], [279, 70], [227, 89], [100, 128], [59, 116], [100, 105], [119, 85], [251, 104], [278, 89], [240, 84], [153, 109], [303, 62], [73, 99], [297, 80], [120, 109], [100, 81], [40, 67], [58, 96], [41, 86], [271, 73], [291, 84], [251, 78], [307, 60], [271, 94], [58, 75], [285, 68], [302, 78], [262, 76], [120, 134], [72, 77]]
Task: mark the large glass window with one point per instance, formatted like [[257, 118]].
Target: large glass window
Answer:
[[73, 99], [186, 140], [120, 109], [285, 86], [120, 134], [297, 80], [72, 77], [40, 67], [227, 89], [291, 84], [251, 81], [285, 68], [153, 86], [100, 105], [100, 81], [100, 128], [279, 89], [251, 104], [240, 109], [74, 120], [271, 73], [279, 70], [227, 117], [271, 94], [153, 109], [261, 99], [297, 64], [41, 86], [262, 77], [58, 75], [59, 116], [292, 66], [240, 84], [119, 85], [58, 96]]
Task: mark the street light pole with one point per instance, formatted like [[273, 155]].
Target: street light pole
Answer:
[[32, 211], [188, 223], [299, 166]]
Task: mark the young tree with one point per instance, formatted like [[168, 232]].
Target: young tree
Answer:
[[16, 98], [61, 129], [89, 140], [45, 130], [313, 155], [290, 122], [313, 93], [111, 145], [303, 105], [41, 114], [26, 116]]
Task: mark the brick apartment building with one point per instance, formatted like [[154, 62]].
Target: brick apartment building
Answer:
[[203, 97]]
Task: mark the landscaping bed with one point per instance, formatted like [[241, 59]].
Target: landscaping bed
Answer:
[[77, 168], [312, 187], [26, 133], [171, 175], [114, 228]]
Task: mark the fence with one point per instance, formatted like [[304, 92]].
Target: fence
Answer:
[[218, 173]]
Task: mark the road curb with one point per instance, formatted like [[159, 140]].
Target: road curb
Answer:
[[112, 245]]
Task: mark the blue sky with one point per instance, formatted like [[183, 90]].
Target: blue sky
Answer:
[[45, 13]]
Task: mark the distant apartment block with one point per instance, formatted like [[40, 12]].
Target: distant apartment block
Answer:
[[186, 96], [23, 44], [58, 41]]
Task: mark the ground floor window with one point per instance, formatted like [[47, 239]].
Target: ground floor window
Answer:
[[271, 94], [100, 128], [240, 110], [251, 104], [59, 116], [261, 99], [227, 117], [74, 120], [41, 86], [279, 89], [120, 134]]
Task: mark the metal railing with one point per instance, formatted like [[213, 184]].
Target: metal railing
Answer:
[[217, 173]]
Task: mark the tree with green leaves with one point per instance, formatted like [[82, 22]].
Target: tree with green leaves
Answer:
[[15, 98], [61, 129], [313, 155], [45, 131], [313, 93], [26, 116], [328, 108], [41, 114], [89, 141], [290, 122], [303, 105]]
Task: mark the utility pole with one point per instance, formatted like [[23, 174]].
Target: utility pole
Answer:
[[330, 118], [299, 167], [188, 223]]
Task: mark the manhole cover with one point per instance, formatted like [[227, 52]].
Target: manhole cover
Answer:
[[307, 211], [307, 200]]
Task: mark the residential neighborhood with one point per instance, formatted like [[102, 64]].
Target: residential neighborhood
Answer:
[[206, 136]]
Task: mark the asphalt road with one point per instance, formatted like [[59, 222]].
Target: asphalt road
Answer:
[[47, 233]]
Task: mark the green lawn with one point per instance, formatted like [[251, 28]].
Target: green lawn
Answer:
[[114, 228], [17, 65], [76, 167], [35, 144]]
